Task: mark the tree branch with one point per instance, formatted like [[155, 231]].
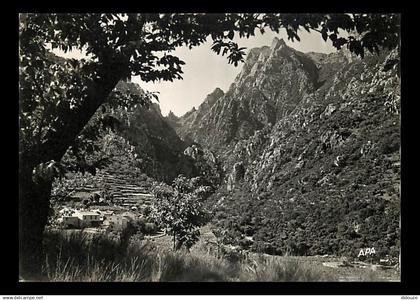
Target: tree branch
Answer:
[[73, 121]]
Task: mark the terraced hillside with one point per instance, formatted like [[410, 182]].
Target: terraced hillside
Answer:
[[118, 188], [125, 192]]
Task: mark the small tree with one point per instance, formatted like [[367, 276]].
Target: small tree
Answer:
[[179, 209]]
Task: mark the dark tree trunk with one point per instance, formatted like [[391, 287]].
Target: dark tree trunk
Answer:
[[33, 216], [174, 240]]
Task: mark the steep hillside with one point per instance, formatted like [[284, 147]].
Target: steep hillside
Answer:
[[310, 147], [161, 154], [159, 148]]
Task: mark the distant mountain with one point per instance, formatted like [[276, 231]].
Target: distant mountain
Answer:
[[192, 120], [309, 145]]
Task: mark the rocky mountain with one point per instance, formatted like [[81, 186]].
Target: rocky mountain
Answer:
[[272, 81], [186, 125], [310, 148]]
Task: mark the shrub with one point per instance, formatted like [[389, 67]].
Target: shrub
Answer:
[[190, 268], [77, 256], [390, 143], [286, 269], [179, 209], [150, 228]]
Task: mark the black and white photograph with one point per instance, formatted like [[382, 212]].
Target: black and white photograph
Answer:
[[209, 147]]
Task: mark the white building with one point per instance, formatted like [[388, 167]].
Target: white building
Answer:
[[81, 219], [88, 218], [117, 222]]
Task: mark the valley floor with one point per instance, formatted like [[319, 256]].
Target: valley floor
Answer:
[[73, 255], [334, 268]]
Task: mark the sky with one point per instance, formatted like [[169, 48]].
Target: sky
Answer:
[[204, 70]]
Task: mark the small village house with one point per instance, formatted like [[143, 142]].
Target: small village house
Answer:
[[81, 219], [89, 218], [71, 221], [117, 222]]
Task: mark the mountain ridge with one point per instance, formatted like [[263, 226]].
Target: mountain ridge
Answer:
[[267, 98]]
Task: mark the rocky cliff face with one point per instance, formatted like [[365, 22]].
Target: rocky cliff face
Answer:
[[272, 81], [310, 149]]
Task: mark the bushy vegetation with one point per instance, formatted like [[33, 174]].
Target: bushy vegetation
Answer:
[[288, 269], [179, 209], [83, 257], [78, 256]]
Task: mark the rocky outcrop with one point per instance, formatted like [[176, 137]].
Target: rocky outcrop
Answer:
[[235, 176], [172, 120]]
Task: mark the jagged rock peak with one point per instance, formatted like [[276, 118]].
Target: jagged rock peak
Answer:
[[277, 43], [171, 115], [259, 56], [191, 111], [155, 106], [218, 91], [213, 96], [253, 55]]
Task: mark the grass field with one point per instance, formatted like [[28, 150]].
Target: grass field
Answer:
[[79, 256]]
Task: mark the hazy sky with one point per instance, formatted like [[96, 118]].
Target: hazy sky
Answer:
[[204, 70]]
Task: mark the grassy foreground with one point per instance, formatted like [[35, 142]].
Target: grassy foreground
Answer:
[[79, 256]]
